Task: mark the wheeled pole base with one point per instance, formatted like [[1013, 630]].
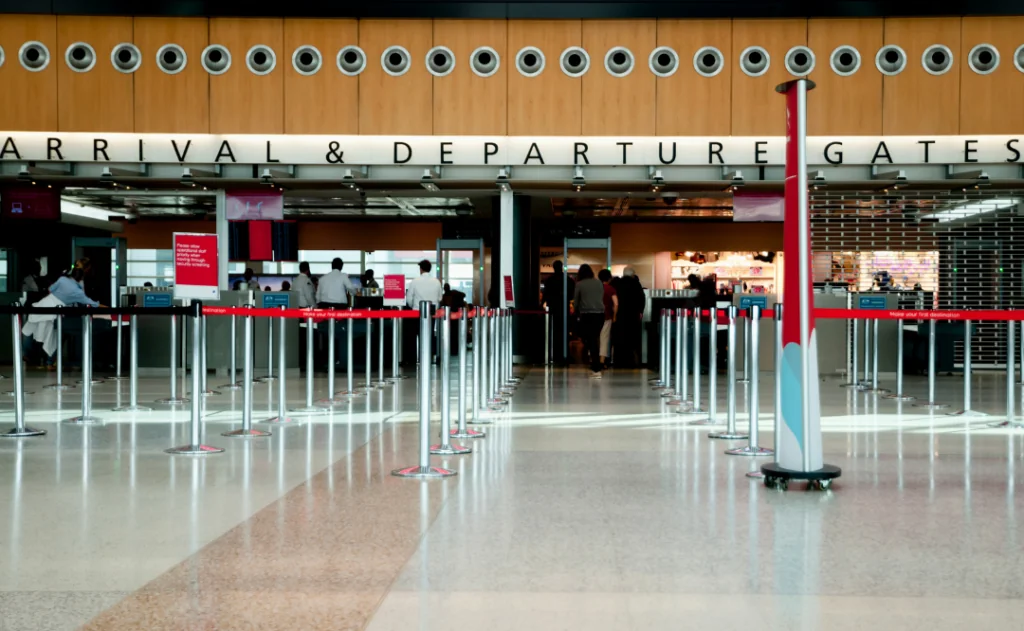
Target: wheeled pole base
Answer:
[[193, 450], [425, 473], [931, 405], [84, 420], [750, 451], [23, 432], [469, 433], [728, 436], [246, 433], [450, 449], [132, 408], [967, 413], [777, 477], [899, 397]]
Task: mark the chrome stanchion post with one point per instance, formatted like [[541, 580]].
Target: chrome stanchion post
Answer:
[[195, 446], [86, 417], [753, 399], [898, 395], [684, 356], [381, 381], [712, 372], [446, 447], [852, 381], [247, 430], [967, 411], [663, 378], [423, 469], [495, 400], [19, 430], [282, 417], [206, 391], [479, 368], [778, 363], [330, 362], [395, 342], [481, 336], [60, 357], [350, 387], [695, 407], [1011, 394], [133, 378], [119, 349], [270, 351], [745, 323], [463, 431], [369, 355], [874, 361], [547, 336], [730, 432], [865, 382], [310, 407], [676, 397], [174, 399], [931, 403], [233, 383]]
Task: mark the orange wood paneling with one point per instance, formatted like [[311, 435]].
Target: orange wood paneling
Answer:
[[990, 104], [30, 98], [465, 103], [757, 110], [687, 103], [914, 101], [242, 102], [328, 101], [101, 99], [619, 106], [178, 103], [550, 103], [396, 105], [845, 105]]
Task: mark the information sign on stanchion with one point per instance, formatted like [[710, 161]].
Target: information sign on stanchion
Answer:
[[730, 432], [282, 417], [753, 398], [86, 418], [133, 383], [247, 430], [19, 430], [195, 446], [233, 383], [272, 300], [423, 469], [966, 410], [446, 447], [310, 407], [898, 395], [462, 431]]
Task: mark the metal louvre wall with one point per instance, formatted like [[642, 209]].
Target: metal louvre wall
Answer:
[[965, 249]]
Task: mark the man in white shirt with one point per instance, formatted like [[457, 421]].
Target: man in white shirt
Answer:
[[335, 287], [303, 286], [424, 288]]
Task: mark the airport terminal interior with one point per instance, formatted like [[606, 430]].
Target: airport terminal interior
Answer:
[[511, 315]]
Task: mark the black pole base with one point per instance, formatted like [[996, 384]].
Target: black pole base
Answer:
[[778, 477]]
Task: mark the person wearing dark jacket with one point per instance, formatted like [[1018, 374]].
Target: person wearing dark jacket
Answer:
[[554, 298], [628, 329]]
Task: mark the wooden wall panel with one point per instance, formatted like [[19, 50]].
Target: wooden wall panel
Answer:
[[687, 103], [914, 101], [757, 110], [242, 102], [101, 99], [465, 103], [990, 104], [619, 106], [396, 105], [841, 105], [178, 103], [30, 98], [328, 101], [551, 103]]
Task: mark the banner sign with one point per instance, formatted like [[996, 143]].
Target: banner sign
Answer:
[[501, 150], [255, 205], [195, 266], [394, 290], [510, 296]]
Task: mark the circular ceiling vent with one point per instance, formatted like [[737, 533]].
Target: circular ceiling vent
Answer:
[[1018, 58], [937, 59], [34, 56], [216, 59], [663, 61], [80, 57], [890, 60], [171, 58], [755, 61], [983, 59], [440, 61], [307, 60], [800, 61], [126, 58], [619, 61], [2, 56], [708, 61], [574, 61], [351, 60], [261, 59], [485, 61], [395, 61], [530, 61], [845, 60]]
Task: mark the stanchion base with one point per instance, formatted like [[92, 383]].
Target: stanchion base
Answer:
[[668, 393], [469, 433], [193, 450], [424, 473], [265, 379], [967, 413], [1015, 424], [116, 378], [278, 420], [247, 433], [310, 410], [881, 391], [480, 420], [231, 386], [931, 405], [24, 432], [210, 393], [84, 420], [848, 385], [750, 451], [450, 449], [132, 408], [674, 400], [11, 393], [95, 382], [728, 436], [778, 477], [380, 384], [899, 397], [174, 401], [703, 421], [756, 475], [57, 386]]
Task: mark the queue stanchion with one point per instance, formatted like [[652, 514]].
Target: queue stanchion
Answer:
[[508, 382], [712, 410], [1021, 380], [174, 399], [510, 350], [423, 468], [19, 430], [746, 323], [695, 405], [547, 336], [480, 338], [479, 397], [462, 431], [668, 390], [931, 403], [86, 418], [133, 378], [865, 382], [898, 395], [195, 446], [330, 363], [874, 360], [270, 352], [446, 447], [662, 382], [730, 432], [495, 400], [967, 411], [119, 349], [381, 381], [684, 357], [396, 338], [247, 430], [368, 385], [310, 407], [233, 383], [59, 385], [777, 411], [1011, 393], [350, 366], [753, 399], [676, 397], [852, 376], [282, 417], [202, 368]]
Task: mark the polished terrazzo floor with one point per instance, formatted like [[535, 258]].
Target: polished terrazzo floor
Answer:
[[589, 505]]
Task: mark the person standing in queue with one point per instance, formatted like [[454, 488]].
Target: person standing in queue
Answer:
[[626, 332], [611, 314], [589, 300], [332, 293], [424, 288], [554, 298], [303, 286]]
